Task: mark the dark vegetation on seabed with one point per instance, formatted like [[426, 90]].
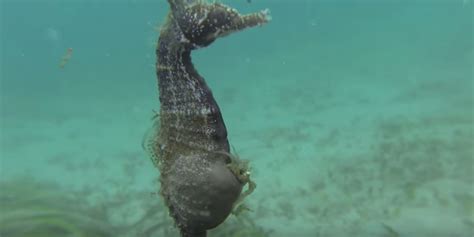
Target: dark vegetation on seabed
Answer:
[[412, 165], [39, 209]]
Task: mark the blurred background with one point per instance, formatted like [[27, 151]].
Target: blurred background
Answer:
[[356, 115]]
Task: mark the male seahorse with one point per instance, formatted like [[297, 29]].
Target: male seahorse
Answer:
[[200, 181]]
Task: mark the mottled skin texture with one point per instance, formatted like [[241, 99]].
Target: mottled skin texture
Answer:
[[189, 145]]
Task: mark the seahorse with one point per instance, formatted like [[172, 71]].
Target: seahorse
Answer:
[[200, 181]]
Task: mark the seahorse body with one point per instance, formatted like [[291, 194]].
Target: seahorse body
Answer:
[[190, 146]]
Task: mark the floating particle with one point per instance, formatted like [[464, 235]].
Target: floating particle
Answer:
[[53, 34], [66, 58]]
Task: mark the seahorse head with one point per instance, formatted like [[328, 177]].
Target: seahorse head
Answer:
[[202, 23]]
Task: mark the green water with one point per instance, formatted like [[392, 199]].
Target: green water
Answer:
[[357, 117]]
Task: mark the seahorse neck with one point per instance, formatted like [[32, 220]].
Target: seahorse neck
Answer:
[[177, 76]]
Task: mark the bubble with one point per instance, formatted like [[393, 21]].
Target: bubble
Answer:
[[53, 34]]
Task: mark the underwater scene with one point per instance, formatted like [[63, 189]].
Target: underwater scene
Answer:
[[327, 118]]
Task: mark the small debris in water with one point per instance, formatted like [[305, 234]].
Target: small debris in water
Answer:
[[66, 58], [391, 232]]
